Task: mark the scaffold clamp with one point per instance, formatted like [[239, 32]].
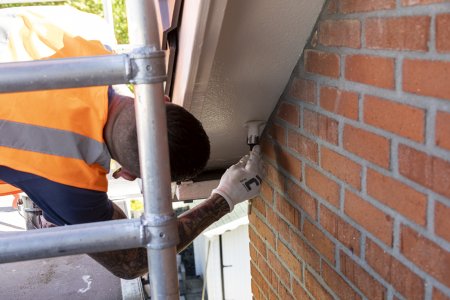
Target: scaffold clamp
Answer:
[[160, 230], [147, 65]]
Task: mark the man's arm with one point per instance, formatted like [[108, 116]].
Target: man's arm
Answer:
[[132, 263], [126, 264], [192, 222], [240, 182]]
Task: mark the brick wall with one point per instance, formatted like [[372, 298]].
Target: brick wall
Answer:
[[356, 201]]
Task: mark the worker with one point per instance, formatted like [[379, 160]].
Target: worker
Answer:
[[56, 146]]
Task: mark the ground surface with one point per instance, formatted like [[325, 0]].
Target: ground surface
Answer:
[[67, 278]]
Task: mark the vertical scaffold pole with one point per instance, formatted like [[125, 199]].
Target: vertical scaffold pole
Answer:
[[144, 27]]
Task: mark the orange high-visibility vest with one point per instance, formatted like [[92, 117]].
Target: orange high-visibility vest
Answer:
[[55, 134], [6, 189]]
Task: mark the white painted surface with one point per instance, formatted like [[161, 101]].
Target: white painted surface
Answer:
[[228, 227], [189, 190], [236, 256], [200, 253], [235, 60], [213, 276]]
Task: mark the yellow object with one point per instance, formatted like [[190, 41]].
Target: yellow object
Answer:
[[136, 205]]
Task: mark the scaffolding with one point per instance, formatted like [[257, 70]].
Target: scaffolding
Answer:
[[144, 67]]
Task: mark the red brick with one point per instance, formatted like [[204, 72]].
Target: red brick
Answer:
[[279, 269], [337, 283], [372, 70], [287, 211], [283, 229], [268, 148], [332, 7], [403, 279], [323, 244], [439, 295], [267, 193], [369, 146], [427, 77], [280, 227], [304, 90], [420, 2], [345, 33], [265, 232], [291, 164], [274, 279], [278, 133], [426, 254], [255, 290], [299, 292], [302, 199], [304, 146], [305, 252], [272, 295], [370, 287], [289, 112], [263, 266], [323, 63], [290, 260], [397, 196], [341, 230], [341, 102], [274, 177], [442, 220], [400, 33], [429, 171], [401, 119], [257, 241], [368, 216], [315, 288], [443, 33], [351, 6], [342, 167], [443, 130], [262, 284], [323, 186], [259, 205], [284, 293], [321, 126], [253, 253]]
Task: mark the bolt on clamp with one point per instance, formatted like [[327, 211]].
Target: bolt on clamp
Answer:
[[160, 231], [147, 65]]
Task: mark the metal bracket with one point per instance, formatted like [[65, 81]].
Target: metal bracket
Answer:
[[147, 66], [161, 230]]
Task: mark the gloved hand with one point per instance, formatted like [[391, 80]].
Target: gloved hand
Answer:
[[242, 181]]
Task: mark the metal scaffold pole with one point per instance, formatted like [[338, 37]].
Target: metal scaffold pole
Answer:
[[144, 27], [144, 67]]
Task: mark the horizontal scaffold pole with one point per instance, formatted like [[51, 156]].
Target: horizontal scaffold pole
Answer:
[[71, 240], [143, 65]]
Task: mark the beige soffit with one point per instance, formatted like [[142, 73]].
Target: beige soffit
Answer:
[[235, 59]]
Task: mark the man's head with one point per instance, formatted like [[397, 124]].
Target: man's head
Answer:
[[188, 143]]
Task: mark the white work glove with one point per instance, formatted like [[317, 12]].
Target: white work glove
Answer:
[[243, 180]]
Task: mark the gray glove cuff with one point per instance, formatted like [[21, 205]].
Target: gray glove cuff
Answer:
[[225, 196]]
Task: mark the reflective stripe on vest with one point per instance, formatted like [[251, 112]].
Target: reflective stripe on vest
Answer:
[[53, 141]]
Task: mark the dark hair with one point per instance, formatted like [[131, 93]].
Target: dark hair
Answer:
[[188, 142], [189, 147]]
